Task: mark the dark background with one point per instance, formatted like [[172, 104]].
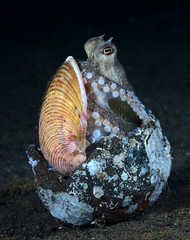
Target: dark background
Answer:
[[153, 46]]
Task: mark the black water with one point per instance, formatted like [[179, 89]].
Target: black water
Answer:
[[35, 39]]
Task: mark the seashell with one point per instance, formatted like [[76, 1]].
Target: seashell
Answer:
[[111, 153], [63, 123]]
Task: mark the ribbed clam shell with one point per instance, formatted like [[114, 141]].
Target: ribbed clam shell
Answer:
[[63, 120]]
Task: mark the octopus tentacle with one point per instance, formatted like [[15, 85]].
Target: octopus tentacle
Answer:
[[111, 90], [108, 100]]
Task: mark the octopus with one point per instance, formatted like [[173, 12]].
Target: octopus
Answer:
[[113, 107]]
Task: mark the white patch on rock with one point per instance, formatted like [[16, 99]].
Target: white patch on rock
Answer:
[[124, 176], [133, 170], [33, 163], [119, 196], [131, 209], [115, 177], [118, 160], [66, 207], [85, 186], [147, 195], [126, 201], [143, 171], [96, 167], [93, 167], [134, 178], [157, 191], [158, 151], [133, 143], [153, 179], [98, 192]]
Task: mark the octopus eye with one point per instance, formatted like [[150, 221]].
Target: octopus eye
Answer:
[[108, 51]]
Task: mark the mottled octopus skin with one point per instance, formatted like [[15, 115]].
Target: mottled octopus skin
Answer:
[[106, 64], [128, 161]]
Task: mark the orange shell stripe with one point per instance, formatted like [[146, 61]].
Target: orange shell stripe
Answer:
[[63, 120]]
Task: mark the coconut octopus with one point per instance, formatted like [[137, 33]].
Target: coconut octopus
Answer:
[[102, 155]]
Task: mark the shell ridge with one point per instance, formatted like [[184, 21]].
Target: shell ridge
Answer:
[[62, 125]]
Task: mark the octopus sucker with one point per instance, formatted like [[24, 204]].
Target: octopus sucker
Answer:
[[109, 157], [108, 94]]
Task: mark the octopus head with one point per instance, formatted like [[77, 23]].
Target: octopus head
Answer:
[[101, 52]]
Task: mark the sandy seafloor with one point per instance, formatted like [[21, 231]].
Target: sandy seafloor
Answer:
[[154, 47]]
